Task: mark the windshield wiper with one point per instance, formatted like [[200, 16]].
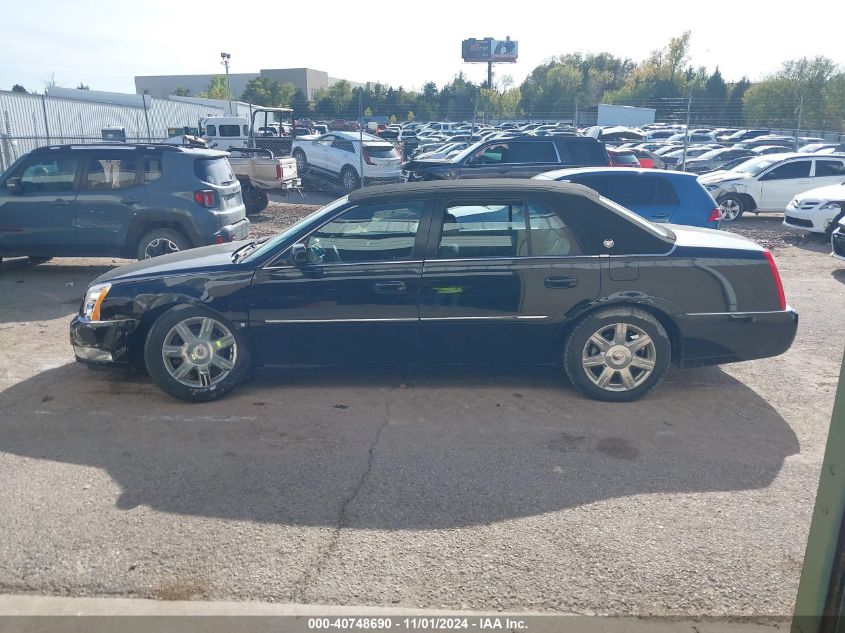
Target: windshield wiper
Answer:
[[242, 251]]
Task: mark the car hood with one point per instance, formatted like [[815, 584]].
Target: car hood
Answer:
[[694, 237], [718, 178], [834, 193], [217, 257]]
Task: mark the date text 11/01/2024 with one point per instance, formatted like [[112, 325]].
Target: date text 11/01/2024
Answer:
[[418, 624]]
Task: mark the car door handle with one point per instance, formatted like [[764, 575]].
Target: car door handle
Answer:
[[660, 215], [130, 201], [560, 282], [61, 202], [390, 287]]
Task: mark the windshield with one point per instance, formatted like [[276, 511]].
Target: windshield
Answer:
[[754, 166], [270, 244]]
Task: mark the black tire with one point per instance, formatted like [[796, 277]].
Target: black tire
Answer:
[[579, 349], [255, 200], [732, 206], [154, 360], [301, 162], [349, 180], [36, 259], [834, 224], [161, 241]]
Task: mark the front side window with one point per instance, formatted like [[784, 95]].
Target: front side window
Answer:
[[211, 130], [787, 171], [372, 233], [828, 168], [106, 173], [493, 154], [48, 173], [246, 130]]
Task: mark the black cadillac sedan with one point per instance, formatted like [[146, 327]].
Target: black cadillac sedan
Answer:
[[451, 272]]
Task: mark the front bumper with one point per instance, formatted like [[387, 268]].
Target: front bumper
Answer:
[[837, 243], [101, 342], [729, 337], [232, 232]]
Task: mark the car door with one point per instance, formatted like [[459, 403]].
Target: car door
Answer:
[[40, 219], [529, 158], [499, 278], [781, 183], [111, 197], [489, 161], [316, 153], [355, 301], [828, 171]]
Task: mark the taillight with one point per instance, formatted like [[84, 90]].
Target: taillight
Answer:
[[205, 198], [218, 239], [715, 215], [279, 171], [367, 158], [777, 280]]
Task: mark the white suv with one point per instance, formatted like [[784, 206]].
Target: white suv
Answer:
[[769, 183], [336, 156]]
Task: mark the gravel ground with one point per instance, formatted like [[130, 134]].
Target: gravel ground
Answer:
[[481, 489]]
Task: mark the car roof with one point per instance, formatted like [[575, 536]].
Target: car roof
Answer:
[[517, 186], [127, 147], [577, 171]]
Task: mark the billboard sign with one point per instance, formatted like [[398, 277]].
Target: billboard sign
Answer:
[[489, 50]]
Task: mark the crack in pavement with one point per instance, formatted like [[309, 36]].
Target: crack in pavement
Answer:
[[317, 567]]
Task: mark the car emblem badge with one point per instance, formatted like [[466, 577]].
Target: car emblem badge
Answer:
[[608, 243]]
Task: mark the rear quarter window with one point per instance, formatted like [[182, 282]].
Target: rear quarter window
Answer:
[[214, 171]]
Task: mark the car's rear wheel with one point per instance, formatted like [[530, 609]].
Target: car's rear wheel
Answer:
[[161, 241], [349, 180], [194, 354], [255, 200], [732, 207], [617, 354]]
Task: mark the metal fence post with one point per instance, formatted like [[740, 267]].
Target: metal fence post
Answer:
[[147, 117], [46, 124], [361, 140]]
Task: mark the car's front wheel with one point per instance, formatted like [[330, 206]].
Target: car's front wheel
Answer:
[[732, 207], [194, 354], [617, 354]]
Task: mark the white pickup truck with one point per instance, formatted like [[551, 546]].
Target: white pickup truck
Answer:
[[260, 172]]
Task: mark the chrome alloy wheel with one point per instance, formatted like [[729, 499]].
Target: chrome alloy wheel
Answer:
[[619, 357], [160, 246], [730, 209], [199, 352]]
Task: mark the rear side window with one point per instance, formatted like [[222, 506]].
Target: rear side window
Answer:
[[110, 172], [632, 190], [152, 168], [532, 153], [826, 168], [582, 153], [230, 130], [48, 173], [214, 171]]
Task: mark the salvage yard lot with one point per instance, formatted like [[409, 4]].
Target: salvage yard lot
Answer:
[[483, 488]]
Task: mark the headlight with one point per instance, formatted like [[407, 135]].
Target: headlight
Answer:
[[93, 300], [830, 206]]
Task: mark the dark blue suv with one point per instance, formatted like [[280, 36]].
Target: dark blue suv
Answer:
[[116, 200], [659, 196]]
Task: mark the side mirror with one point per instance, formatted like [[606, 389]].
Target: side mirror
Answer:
[[298, 255], [13, 185]]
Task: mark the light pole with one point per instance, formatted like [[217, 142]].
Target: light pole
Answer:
[[226, 57]]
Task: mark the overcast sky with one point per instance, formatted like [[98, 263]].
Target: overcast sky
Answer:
[[106, 44]]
